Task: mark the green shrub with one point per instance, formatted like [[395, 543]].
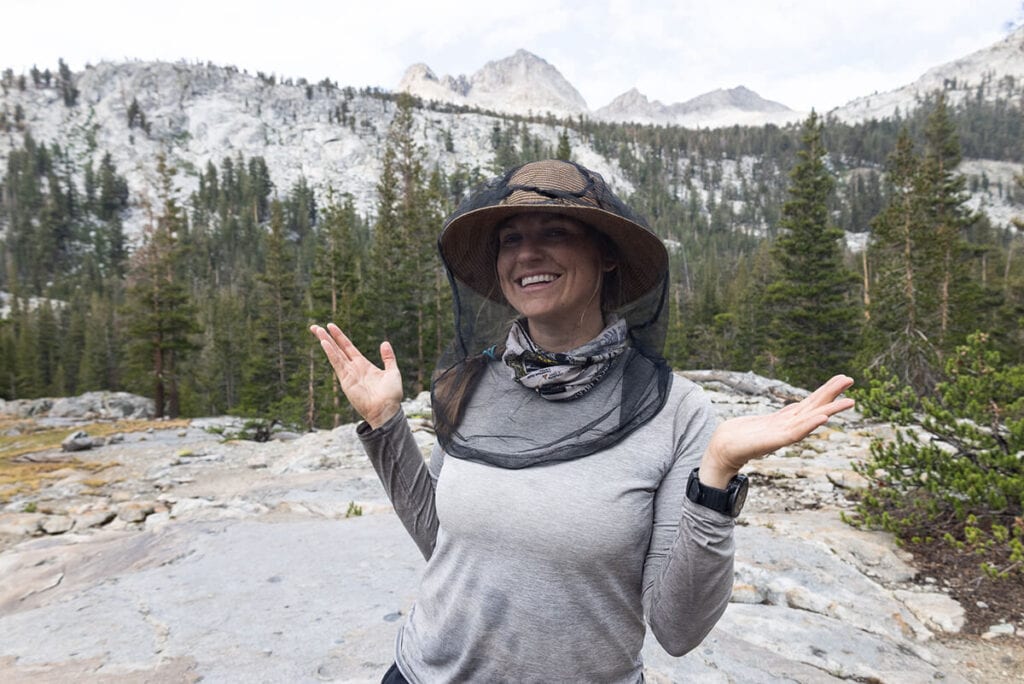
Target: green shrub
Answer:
[[959, 476]]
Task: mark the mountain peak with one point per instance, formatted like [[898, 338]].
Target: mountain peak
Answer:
[[716, 108], [520, 83]]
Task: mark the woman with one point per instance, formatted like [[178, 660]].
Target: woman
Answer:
[[578, 486]]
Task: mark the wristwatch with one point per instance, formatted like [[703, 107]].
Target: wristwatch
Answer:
[[728, 501]]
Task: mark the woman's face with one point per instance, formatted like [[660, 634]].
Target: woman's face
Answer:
[[550, 270]]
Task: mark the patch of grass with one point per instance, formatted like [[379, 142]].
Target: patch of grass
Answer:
[[26, 477], [35, 438], [21, 476]]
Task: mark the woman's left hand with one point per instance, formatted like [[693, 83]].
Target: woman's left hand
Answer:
[[739, 440]]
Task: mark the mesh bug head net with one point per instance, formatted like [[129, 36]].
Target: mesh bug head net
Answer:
[[480, 413]]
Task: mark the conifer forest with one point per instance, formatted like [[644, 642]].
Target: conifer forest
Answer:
[[207, 311]]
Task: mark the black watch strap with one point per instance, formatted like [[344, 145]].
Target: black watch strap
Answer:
[[728, 501]]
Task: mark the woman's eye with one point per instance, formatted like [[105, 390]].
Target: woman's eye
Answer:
[[510, 239]]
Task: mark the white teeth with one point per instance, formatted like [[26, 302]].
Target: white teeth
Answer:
[[543, 278]]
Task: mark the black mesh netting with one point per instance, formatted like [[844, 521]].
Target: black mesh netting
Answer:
[[480, 412]]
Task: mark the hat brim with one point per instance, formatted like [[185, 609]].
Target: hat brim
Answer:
[[468, 246]]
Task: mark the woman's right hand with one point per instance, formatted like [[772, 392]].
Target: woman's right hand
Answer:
[[376, 394]]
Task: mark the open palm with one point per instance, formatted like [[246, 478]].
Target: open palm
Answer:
[[738, 440], [374, 393]]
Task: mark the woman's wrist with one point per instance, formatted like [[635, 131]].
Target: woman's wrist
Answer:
[[383, 416], [713, 473]]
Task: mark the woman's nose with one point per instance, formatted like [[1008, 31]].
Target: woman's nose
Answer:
[[528, 248]]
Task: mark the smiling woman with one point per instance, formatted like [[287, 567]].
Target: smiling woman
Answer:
[[578, 486]]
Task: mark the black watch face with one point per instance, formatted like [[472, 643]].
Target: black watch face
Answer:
[[739, 499], [693, 489]]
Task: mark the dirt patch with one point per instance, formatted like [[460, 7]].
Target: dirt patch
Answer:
[[982, 661], [987, 601]]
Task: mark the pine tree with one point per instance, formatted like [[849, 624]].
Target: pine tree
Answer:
[[403, 261], [922, 299], [100, 360], [944, 197], [66, 83], [275, 354], [748, 316], [564, 151], [815, 320], [161, 317], [335, 291], [898, 333], [28, 375]]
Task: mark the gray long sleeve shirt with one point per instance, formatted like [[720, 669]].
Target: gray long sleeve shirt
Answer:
[[546, 573]]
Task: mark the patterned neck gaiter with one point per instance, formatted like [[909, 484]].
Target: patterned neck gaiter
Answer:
[[562, 376]]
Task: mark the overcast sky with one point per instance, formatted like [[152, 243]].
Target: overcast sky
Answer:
[[803, 53]]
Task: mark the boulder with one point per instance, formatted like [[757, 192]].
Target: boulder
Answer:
[[78, 441], [135, 511], [103, 405], [56, 524]]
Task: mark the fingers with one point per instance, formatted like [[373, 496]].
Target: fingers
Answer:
[[387, 355], [348, 351], [341, 351], [835, 386]]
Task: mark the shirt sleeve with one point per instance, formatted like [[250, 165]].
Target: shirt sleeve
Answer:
[[688, 572], [407, 481]]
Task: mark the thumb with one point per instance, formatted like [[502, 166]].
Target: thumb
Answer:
[[387, 355]]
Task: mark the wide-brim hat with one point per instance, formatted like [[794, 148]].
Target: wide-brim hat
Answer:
[[469, 246]]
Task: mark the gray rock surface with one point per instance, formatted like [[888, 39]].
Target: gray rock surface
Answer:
[[197, 559]]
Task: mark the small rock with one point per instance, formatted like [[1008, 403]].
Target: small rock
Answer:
[[937, 611], [93, 519], [115, 438], [981, 604], [1000, 630], [56, 524], [135, 511]]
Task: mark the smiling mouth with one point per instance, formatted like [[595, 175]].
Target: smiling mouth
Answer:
[[539, 278]]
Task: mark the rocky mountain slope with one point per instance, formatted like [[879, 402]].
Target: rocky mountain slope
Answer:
[[195, 557], [198, 114], [999, 66]]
